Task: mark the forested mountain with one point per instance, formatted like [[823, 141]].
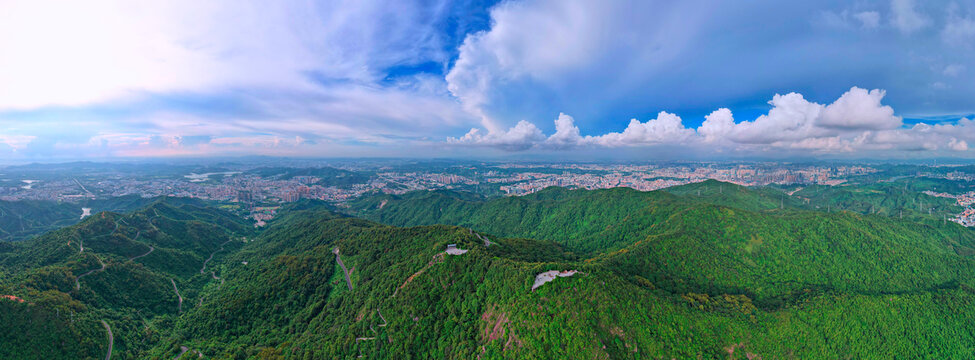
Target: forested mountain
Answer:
[[611, 274], [20, 220], [887, 199], [121, 269]]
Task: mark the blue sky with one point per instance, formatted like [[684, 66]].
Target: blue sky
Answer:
[[548, 78]]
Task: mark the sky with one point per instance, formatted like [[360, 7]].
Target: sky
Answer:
[[521, 79]]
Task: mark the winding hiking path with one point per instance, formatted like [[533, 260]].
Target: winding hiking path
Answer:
[[178, 295], [77, 280], [111, 340], [483, 238], [151, 249], [211, 257], [344, 270]]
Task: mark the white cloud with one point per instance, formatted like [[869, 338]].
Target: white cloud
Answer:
[[860, 109], [522, 136], [716, 125], [953, 70], [868, 19], [906, 18], [957, 145], [959, 31], [536, 46], [566, 133], [856, 121], [791, 118], [78, 53], [666, 128], [16, 142]]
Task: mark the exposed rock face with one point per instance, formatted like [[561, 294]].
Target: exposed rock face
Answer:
[[547, 276]]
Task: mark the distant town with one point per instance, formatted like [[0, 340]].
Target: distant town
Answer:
[[258, 189]]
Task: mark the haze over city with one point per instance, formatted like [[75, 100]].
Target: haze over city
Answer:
[[634, 80]]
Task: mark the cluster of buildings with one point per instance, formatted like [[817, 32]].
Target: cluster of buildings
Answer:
[[966, 200], [648, 177], [510, 178]]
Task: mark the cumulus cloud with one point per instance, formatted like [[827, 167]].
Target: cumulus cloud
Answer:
[[957, 145], [522, 136], [856, 121], [860, 109], [566, 133], [791, 118], [666, 128], [716, 125]]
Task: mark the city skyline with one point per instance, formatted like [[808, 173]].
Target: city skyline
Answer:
[[517, 80]]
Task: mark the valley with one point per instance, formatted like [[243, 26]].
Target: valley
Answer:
[[707, 270]]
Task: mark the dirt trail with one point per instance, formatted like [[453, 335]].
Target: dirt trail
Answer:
[[483, 238], [111, 340], [438, 258], [381, 317], [211, 256], [151, 249], [77, 280], [178, 295], [344, 270], [182, 350]]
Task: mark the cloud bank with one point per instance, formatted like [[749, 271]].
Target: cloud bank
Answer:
[[856, 121]]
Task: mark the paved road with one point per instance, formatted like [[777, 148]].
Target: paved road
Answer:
[[111, 340], [344, 270], [77, 280]]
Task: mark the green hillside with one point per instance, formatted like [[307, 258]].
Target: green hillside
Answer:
[[121, 269], [20, 220], [733, 195], [660, 275], [886, 199], [699, 301]]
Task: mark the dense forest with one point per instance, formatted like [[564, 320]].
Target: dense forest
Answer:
[[20, 220], [708, 270]]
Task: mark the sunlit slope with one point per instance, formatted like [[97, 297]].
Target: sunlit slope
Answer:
[[886, 199], [581, 220], [128, 270], [409, 298]]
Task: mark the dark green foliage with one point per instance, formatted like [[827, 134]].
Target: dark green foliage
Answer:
[[20, 220], [129, 291], [734, 274], [885, 199]]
